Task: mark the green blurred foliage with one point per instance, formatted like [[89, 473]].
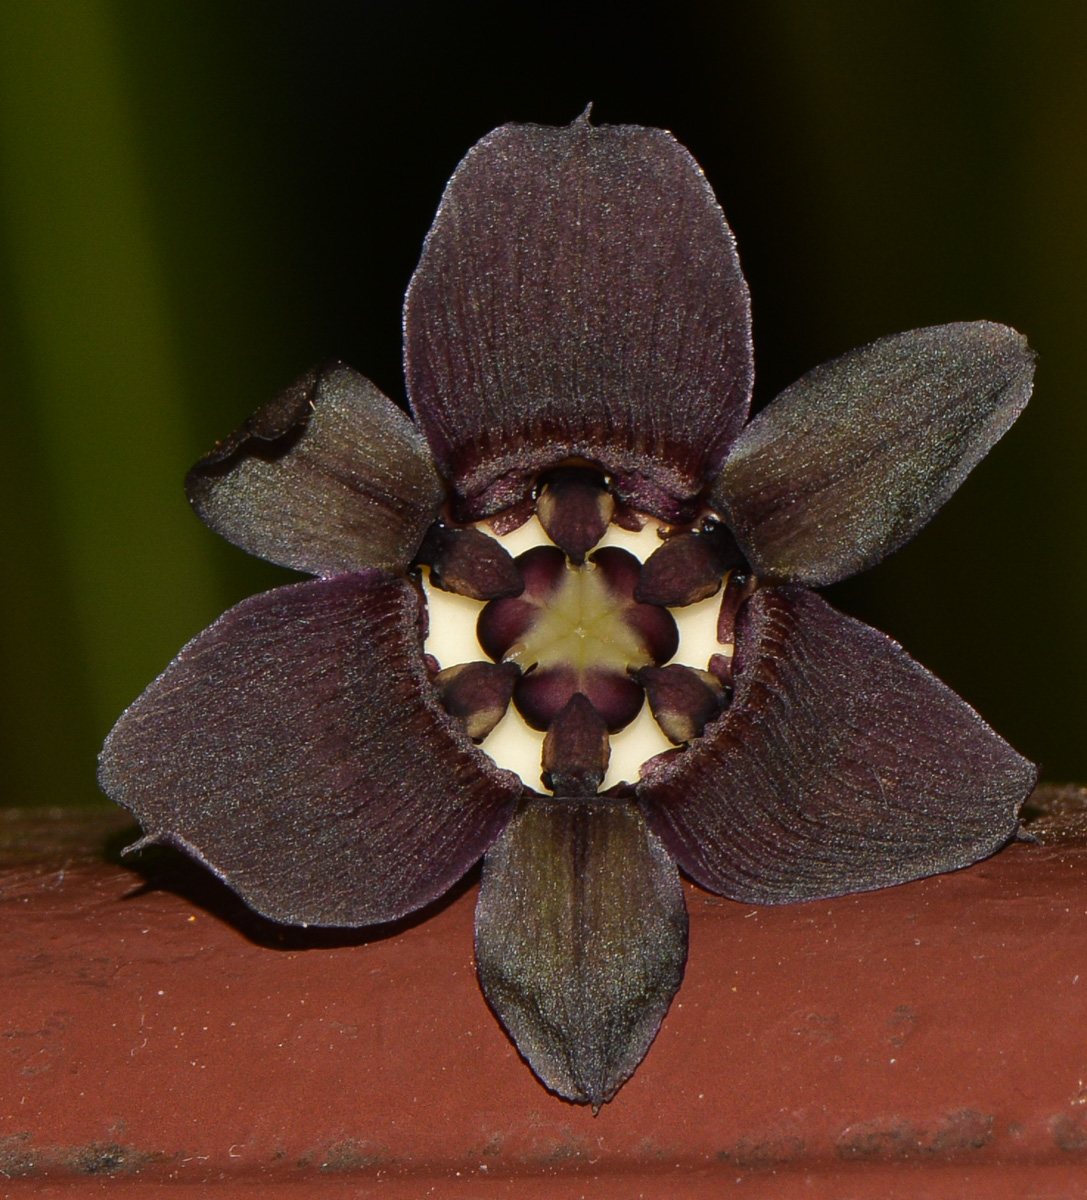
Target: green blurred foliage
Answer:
[[199, 199]]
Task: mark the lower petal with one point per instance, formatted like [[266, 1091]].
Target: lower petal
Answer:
[[297, 748], [842, 765], [581, 940]]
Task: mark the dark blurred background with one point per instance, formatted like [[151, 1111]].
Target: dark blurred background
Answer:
[[201, 198]]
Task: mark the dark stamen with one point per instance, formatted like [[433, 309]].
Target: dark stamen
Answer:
[[628, 518], [576, 750], [721, 668], [574, 508], [478, 693], [688, 567], [470, 563], [683, 700], [740, 585], [513, 517]]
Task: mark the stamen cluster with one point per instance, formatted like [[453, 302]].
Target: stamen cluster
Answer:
[[578, 637]]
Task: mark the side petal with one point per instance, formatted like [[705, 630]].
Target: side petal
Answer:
[[328, 477], [581, 940], [841, 766], [297, 749], [849, 462], [579, 295]]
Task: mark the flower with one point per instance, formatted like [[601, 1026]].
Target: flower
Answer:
[[577, 346]]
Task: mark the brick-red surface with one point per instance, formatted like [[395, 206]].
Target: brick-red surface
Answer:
[[924, 1041]]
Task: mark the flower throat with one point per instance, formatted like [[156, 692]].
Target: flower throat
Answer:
[[578, 638]]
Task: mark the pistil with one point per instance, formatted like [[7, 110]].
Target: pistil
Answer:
[[578, 629]]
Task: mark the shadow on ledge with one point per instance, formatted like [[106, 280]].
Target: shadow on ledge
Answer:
[[60, 838], [167, 870]]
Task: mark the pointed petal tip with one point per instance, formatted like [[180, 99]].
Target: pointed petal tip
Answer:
[[581, 941], [149, 839]]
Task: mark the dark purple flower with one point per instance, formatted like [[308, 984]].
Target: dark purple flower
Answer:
[[578, 352]]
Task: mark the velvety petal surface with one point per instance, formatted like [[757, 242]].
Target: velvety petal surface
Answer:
[[297, 749], [851, 460], [329, 477], [581, 940], [579, 294], [842, 765]]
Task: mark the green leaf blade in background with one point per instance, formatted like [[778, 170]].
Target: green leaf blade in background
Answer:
[[100, 370]]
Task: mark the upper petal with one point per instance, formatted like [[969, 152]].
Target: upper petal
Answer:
[[842, 765], [851, 460], [579, 295], [328, 477], [298, 749]]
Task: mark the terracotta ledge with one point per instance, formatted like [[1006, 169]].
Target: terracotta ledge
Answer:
[[928, 1040]]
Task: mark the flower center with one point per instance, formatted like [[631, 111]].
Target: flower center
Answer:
[[576, 628], [578, 638], [580, 624]]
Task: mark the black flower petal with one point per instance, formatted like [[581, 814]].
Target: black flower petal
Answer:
[[579, 294], [330, 476], [849, 462], [841, 765], [297, 748], [581, 940]]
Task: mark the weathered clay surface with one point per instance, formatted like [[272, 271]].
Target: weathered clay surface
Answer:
[[928, 1040]]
